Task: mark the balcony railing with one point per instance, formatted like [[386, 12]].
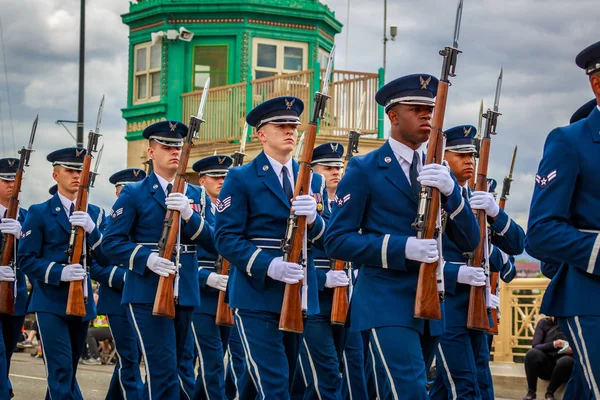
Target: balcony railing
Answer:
[[520, 303], [227, 106]]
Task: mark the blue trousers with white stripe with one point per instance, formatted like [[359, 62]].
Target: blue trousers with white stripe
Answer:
[[398, 358], [270, 353], [126, 382], [209, 341], [238, 384], [162, 342], [63, 339], [186, 367], [354, 381], [582, 332], [10, 330], [319, 362], [456, 372]]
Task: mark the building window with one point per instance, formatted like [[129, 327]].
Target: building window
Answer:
[[323, 58], [275, 57], [146, 80], [210, 61]]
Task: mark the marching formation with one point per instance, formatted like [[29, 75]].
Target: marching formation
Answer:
[[320, 276]]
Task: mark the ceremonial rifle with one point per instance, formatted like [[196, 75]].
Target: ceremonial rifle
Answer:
[[292, 309], [339, 304], [77, 250], [428, 297], [494, 275], [478, 317], [477, 144], [166, 294], [224, 315], [8, 290]]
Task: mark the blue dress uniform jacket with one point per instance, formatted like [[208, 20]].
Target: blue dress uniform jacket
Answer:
[[134, 232], [254, 190], [374, 195], [111, 279], [44, 239], [564, 225], [206, 265]]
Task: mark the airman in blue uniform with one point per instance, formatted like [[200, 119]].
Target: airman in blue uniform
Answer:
[[10, 325], [42, 254], [209, 339], [252, 212], [459, 347], [371, 226], [319, 362], [564, 230], [131, 239], [126, 382]]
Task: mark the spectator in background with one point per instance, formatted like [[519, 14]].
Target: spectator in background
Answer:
[[550, 358]]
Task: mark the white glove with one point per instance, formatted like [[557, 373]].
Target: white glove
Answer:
[[336, 279], [491, 300], [11, 226], [471, 276], [285, 271], [72, 272], [484, 201], [160, 266], [305, 205], [181, 203], [437, 176], [7, 274], [82, 219], [423, 250], [217, 281]]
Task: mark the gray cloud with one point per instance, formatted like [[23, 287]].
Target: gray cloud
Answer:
[[535, 41]]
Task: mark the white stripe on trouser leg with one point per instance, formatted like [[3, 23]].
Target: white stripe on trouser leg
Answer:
[[587, 360], [347, 374], [182, 387], [146, 366], [201, 359], [312, 370], [450, 380], [248, 366], [374, 370], [387, 370], [249, 359], [302, 370], [119, 358], [44, 354], [583, 366], [237, 391]]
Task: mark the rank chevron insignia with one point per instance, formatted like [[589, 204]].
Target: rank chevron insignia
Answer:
[[340, 201], [223, 205], [544, 180]]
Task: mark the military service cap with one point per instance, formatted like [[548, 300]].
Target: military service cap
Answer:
[[214, 166], [53, 189], [8, 168], [583, 111], [411, 89], [126, 176], [70, 157], [460, 139], [279, 111], [329, 154], [589, 58], [167, 133]]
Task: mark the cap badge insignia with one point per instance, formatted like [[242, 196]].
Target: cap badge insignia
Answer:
[[172, 127], [289, 104], [467, 131], [221, 160], [136, 172], [78, 153], [424, 83], [11, 163], [334, 146]]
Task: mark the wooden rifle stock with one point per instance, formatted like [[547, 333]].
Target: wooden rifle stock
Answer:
[[339, 304], [164, 301], [291, 309], [427, 299], [224, 316], [478, 317], [75, 300], [7, 301]]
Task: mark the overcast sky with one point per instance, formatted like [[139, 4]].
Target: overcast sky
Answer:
[[535, 41]]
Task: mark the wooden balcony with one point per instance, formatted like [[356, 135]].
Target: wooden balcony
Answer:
[[228, 105]]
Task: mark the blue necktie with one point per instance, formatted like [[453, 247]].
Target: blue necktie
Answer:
[[287, 186], [169, 188], [71, 209], [413, 174]]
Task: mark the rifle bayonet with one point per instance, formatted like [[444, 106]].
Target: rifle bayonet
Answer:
[[457, 21], [299, 147], [99, 117], [196, 121], [238, 156], [498, 89], [94, 173], [508, 181]]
